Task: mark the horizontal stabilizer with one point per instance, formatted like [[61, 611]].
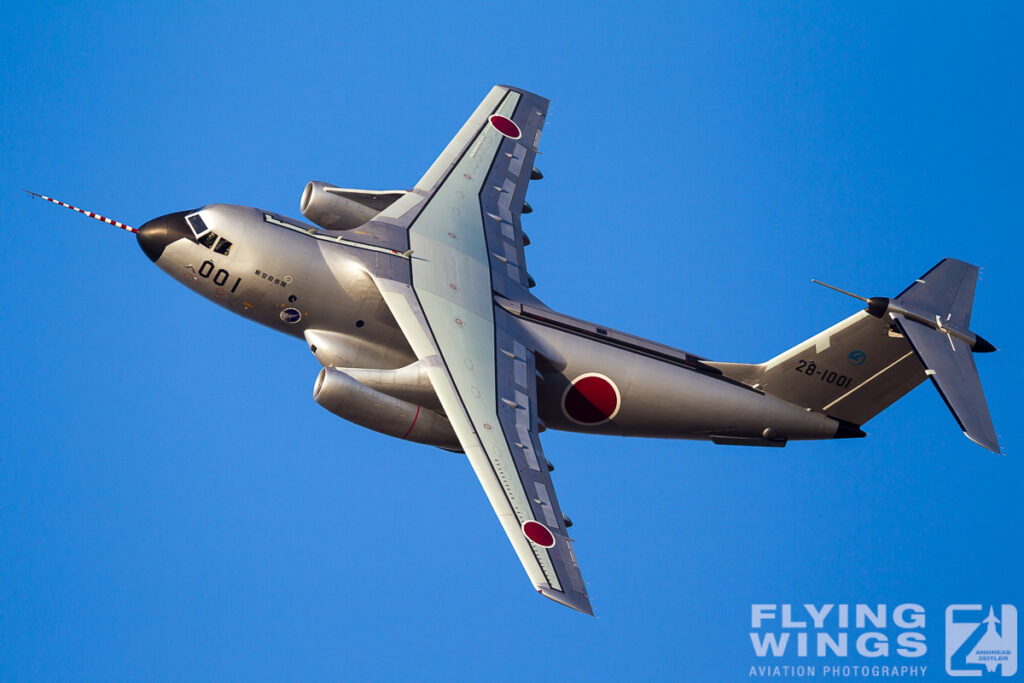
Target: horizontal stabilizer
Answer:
[[948, 288], [950, 364]]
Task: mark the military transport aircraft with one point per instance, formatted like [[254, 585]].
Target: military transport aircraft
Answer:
[[418, 305]]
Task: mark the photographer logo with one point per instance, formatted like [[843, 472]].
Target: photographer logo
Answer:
[[980, 641]]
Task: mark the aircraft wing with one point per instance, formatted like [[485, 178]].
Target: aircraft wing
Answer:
[[466, 243]]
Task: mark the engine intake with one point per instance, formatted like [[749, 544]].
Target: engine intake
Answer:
[[358, 403], [338, 208]]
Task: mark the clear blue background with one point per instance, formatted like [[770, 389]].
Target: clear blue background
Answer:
[[175, 506]]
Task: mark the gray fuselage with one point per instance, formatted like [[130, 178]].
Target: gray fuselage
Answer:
[[313, 284]]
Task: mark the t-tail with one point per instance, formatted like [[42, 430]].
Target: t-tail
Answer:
[[855, 369]]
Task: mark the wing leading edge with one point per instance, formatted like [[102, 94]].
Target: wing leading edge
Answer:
[[466, 242]]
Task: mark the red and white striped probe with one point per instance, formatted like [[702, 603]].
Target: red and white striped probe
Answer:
[[90, 214]]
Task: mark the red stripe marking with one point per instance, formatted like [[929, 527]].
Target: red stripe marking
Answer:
[[418, 408]]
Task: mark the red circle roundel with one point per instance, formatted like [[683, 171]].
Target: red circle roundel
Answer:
[[506, 126], [591, 399], [538, 533]]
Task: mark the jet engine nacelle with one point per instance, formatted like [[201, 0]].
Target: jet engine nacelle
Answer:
[[338, 208], [356, 402]]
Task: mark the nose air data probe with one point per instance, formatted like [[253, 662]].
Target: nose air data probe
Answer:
[[419, 307]]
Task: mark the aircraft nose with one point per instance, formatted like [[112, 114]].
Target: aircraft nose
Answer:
[[156, 234]]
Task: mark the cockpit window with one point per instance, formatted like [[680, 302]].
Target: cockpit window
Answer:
[[208, 239], [195, 221], [223, 247]]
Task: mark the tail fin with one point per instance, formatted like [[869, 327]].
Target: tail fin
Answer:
[[860, 366]]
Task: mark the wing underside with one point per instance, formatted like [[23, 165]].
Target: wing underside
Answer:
[[466, 242]]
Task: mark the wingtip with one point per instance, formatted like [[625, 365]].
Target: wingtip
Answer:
[[580, 605], [987, 445], [521, 91]]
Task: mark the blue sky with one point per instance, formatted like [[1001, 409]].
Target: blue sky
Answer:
[[175, 506]]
